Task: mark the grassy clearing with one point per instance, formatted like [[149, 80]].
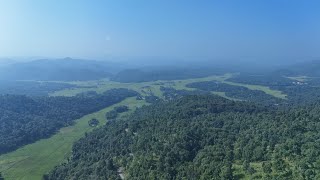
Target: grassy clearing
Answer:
[[102, 86], [147, 88], [144, 88], [32, 161], [299, 78], [182, 85]]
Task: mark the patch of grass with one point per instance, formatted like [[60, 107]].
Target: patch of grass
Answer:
[[300, 78], [32, 161]]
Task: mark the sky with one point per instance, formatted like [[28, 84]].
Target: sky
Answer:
[[182, 29]]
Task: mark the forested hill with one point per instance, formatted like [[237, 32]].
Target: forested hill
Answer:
[[24, 119], [201, 137], [66, 69]]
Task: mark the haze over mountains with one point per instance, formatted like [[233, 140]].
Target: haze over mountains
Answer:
[[159, 90], [56, 70], [68, 69], [309, 68]]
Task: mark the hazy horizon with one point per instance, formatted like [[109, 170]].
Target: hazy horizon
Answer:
[[185, 30]]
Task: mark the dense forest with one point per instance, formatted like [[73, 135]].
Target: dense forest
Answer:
[[26, 119], [201, 137]]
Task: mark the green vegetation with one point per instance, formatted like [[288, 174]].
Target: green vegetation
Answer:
[[25, 119], [165, 73], [102, 86], [300, 90], [236, 92], [121, 109], [267, 90], [201, 137], [182, 84], [299, 78], [113, 114], [32, 88], [153, 88], [97, 129], [93, 122], [32, 161]]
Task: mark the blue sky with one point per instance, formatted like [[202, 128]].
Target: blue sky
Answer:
[[182, 29]]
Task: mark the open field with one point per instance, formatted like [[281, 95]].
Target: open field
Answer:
[[32, 161]]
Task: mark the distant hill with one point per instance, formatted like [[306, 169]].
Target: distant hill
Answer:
[[310, 68], [66, 69], [6, 62]]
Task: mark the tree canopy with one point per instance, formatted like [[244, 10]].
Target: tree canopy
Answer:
[[24, 119], [201, 137]]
